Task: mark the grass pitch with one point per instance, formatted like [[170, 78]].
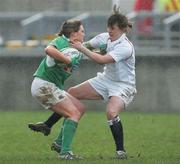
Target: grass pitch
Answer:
[[149, 139]]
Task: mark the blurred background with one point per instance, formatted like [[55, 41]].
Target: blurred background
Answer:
[[26, 26]]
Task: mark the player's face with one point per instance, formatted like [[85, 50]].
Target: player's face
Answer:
[[80, 34], [114, 32]]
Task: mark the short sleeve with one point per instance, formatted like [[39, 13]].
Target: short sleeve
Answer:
[[55, 43], [99, 40], [121, 52]]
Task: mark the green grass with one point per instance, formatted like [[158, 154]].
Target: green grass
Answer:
[[149, 139]]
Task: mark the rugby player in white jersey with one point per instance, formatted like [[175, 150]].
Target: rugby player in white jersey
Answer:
[[116, 84]]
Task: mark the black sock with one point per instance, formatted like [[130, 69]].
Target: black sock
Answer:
[[117, 132], [52, 119]]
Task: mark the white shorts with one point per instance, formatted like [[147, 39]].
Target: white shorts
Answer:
[[46, 93], [107, 88]]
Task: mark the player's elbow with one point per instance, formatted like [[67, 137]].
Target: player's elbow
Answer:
[[47, 50], [105, 59], [101, 61]]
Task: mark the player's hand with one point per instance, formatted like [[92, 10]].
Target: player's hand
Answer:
[[77, 45]]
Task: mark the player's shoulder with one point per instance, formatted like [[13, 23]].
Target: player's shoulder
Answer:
[[123, 41], [103, 36], [127, 42], [59, 42]]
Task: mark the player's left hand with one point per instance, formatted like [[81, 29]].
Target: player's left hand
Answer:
[[77, 45]]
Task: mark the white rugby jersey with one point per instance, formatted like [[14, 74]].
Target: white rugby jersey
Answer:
[[123, 53]]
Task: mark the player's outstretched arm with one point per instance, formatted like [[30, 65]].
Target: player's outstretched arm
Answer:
[[93, 55]]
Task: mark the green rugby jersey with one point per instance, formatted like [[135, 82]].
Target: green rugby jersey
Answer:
[[51, 69]]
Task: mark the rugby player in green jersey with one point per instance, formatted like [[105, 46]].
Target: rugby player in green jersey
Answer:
[[48, 84]]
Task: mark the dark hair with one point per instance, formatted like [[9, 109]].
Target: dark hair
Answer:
[[117, 18], [69, 26], [130, 24]]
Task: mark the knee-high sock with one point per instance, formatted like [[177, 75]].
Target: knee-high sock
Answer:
[[52, 119], [117, 132], [69, 130], [58, 140]]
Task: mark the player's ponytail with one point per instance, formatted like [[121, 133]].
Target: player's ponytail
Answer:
[[116, 9], [61, 32]]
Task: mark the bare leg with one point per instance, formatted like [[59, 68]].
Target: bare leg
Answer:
[[116, 105]]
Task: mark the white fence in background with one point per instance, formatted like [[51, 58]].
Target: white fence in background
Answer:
[[163, 32]]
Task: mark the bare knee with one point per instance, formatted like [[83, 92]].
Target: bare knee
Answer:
[[111, 113], [81, 109], [74, 92], [78, 113], [75, 115]]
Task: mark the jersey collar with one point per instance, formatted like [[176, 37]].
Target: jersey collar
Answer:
[[66, 38], [120, 39]]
